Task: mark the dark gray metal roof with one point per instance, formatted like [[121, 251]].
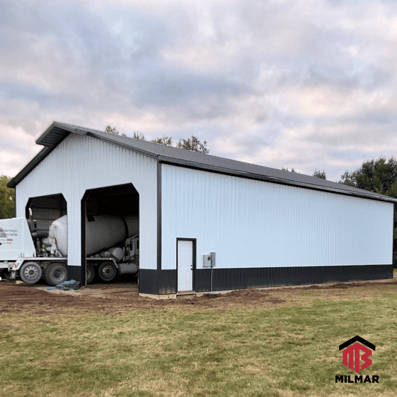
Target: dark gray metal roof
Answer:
[[171, 155]]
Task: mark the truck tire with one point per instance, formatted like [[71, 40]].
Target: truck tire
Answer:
[[56, 274], [90, 274], [30, 272], [107, 271]]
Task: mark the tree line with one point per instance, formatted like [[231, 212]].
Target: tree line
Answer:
[[193, 143]]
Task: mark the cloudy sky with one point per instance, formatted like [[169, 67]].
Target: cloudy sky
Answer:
[[309, 84]]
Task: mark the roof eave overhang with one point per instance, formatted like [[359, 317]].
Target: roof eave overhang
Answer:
[[54, 134]]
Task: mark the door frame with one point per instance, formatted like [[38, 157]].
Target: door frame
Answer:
[[194, 242]]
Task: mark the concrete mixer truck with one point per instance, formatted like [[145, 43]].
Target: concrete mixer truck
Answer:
[[112, 248]]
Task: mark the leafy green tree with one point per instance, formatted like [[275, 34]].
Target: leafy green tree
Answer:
[[320, 174], [165, 140], [7, 199], [138, 135], [193, 144], [112, 130], [286, 169], [379, 176]]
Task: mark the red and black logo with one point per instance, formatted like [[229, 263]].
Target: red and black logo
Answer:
[[356, 353]]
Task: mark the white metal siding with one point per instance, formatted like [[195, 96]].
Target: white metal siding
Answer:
[[79, 163], [251, 223]]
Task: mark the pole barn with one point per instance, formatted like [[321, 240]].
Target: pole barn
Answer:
[[206, 223]]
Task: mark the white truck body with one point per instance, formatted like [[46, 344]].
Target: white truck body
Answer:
[[15, 239]]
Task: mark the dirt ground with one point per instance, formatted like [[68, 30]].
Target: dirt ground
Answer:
[[112, 298]]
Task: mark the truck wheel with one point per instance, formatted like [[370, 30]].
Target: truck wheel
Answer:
[[30, 272], [107, 271], [90, 274], [56, 274]]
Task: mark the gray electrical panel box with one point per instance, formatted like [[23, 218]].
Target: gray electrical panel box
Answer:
[[213, 259], [209, 260]]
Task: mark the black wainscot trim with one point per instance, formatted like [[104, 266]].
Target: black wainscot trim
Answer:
[[157, 281], [74, 273], [242, 278]]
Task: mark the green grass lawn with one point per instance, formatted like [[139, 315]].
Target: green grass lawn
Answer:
[[286, 350]]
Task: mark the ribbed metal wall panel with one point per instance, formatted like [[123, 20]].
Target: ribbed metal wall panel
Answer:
[[251, 223], [80, 163]]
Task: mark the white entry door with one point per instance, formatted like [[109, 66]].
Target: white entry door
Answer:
[[185, 265]]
